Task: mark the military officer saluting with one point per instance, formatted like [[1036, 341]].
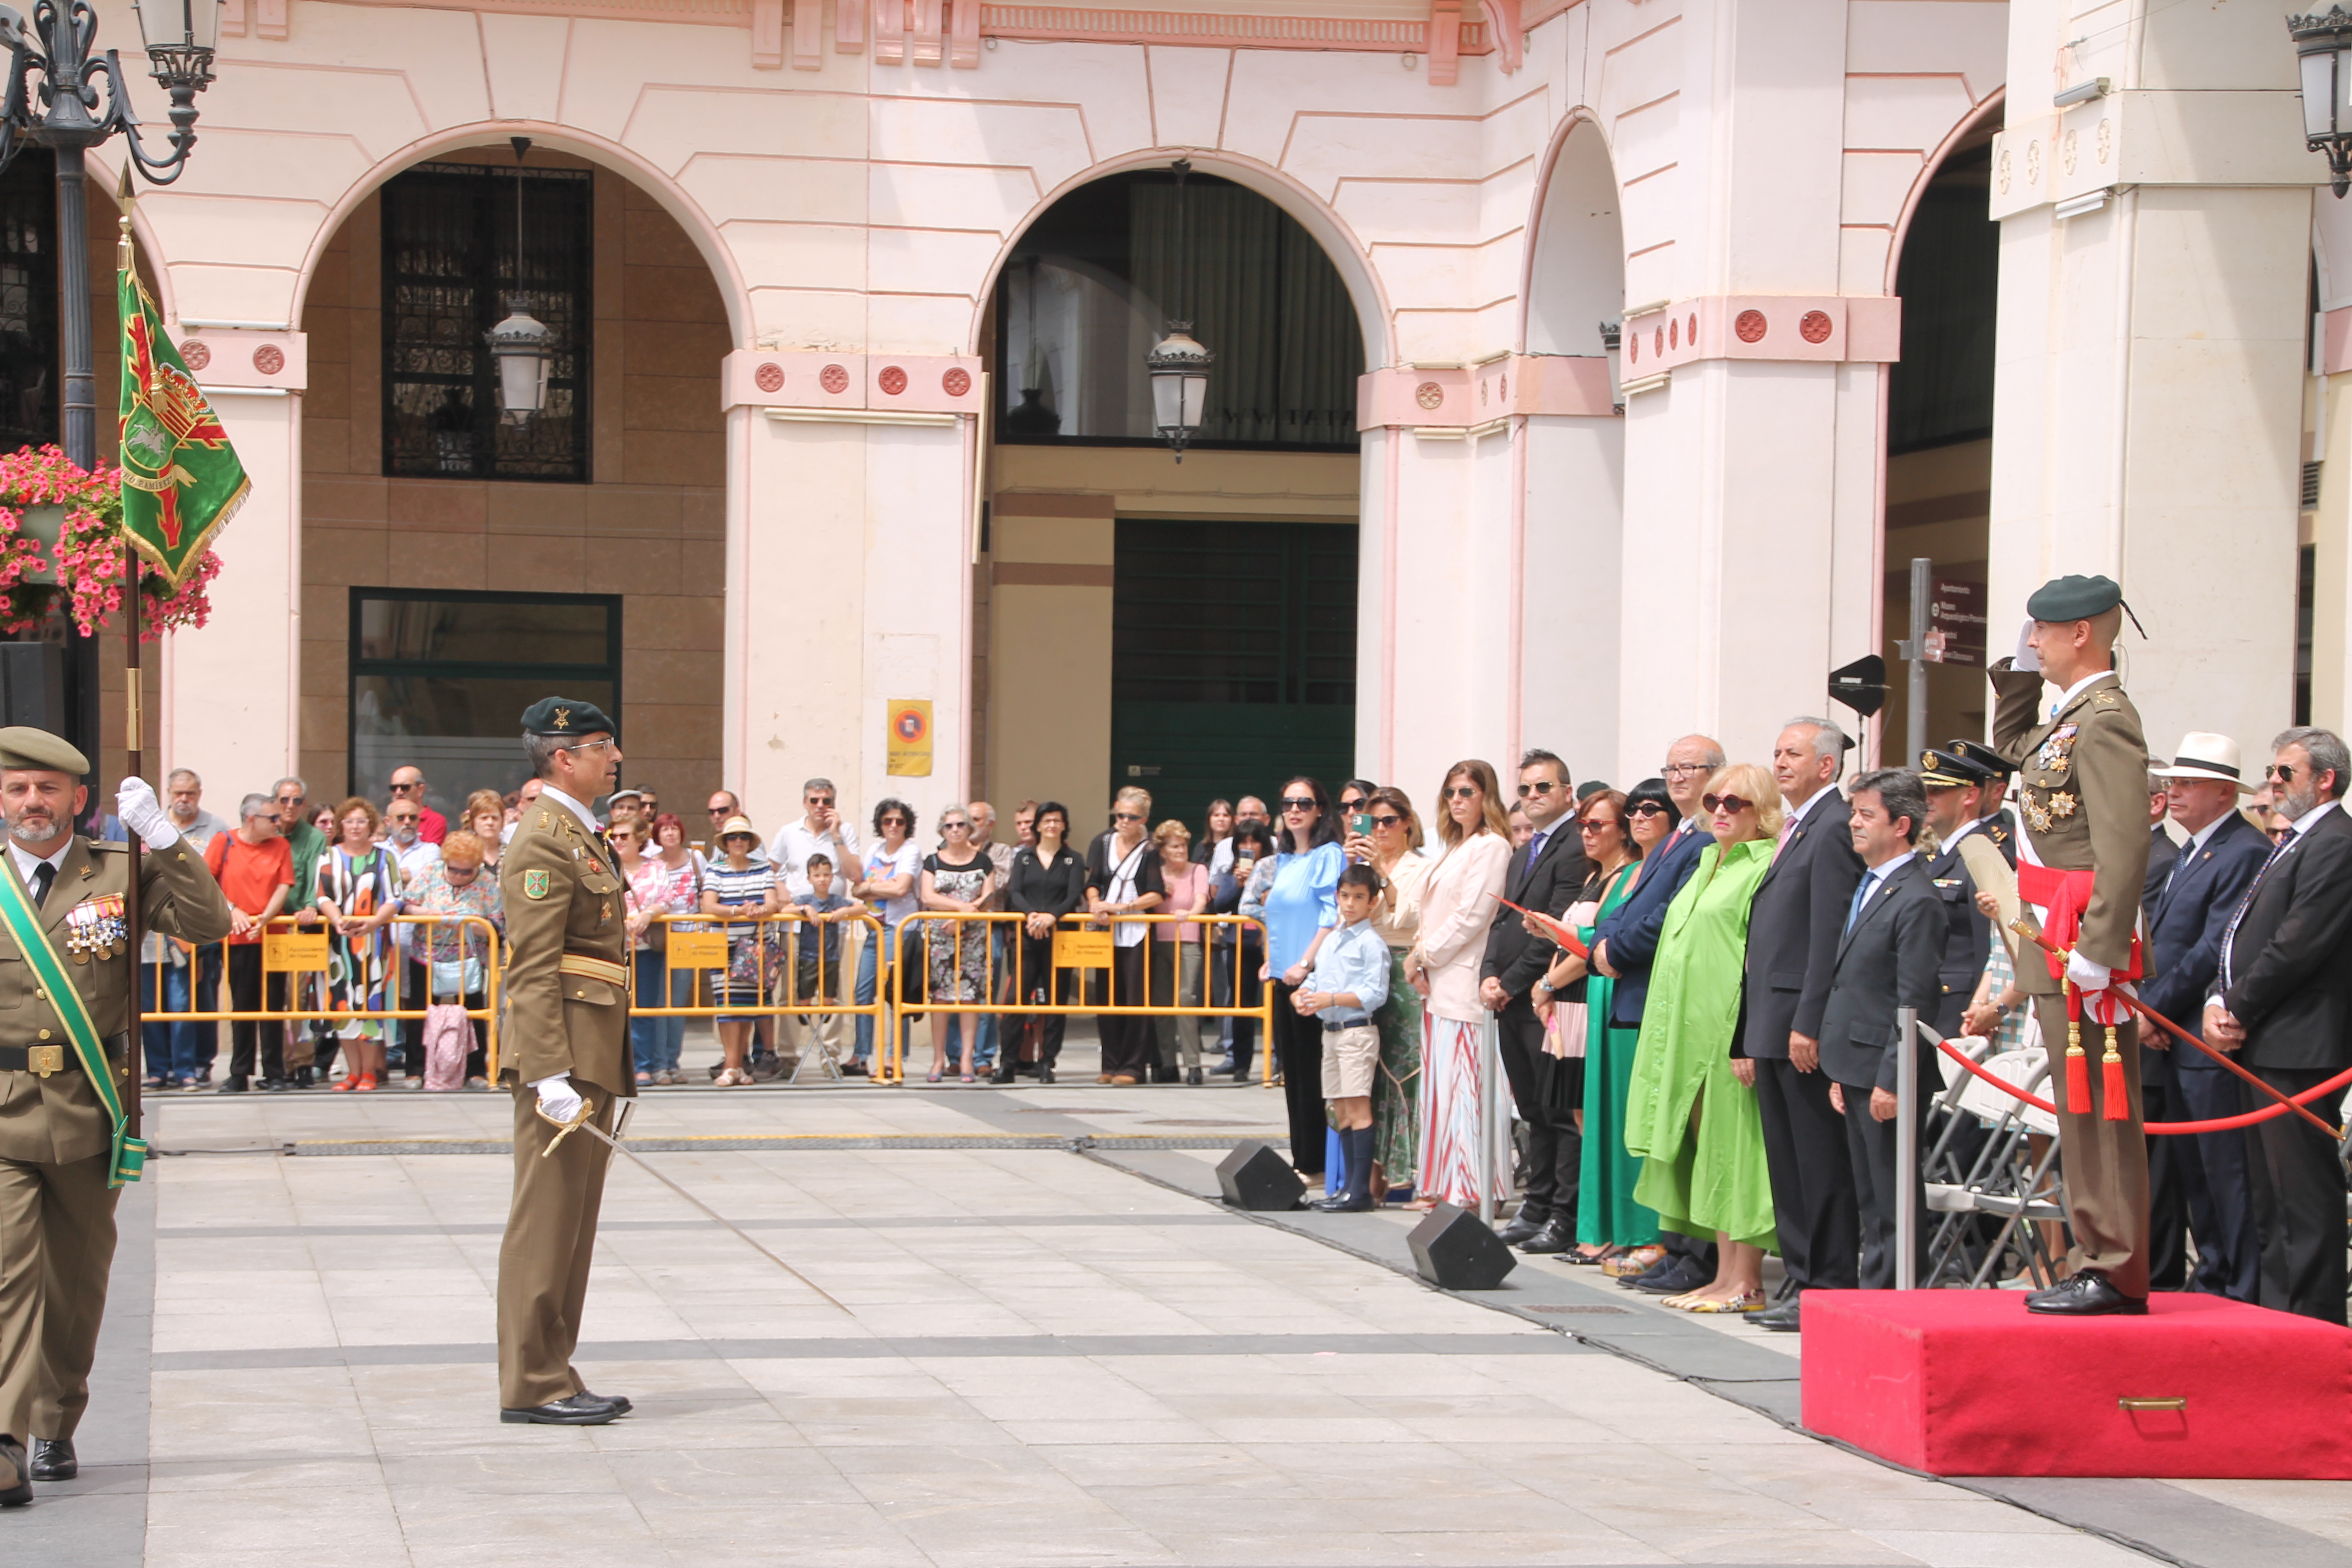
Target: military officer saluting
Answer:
[[67, 967], [2081, 855], [564, 1041]]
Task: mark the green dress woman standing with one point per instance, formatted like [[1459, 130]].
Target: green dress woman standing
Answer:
[[1691, 1109], [1608, 1219]]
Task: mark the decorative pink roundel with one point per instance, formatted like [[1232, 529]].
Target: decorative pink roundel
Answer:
[[269, 359], [1690, 334], [195, 354], [957, 382], [1674, 334], [892, 381], [833, 379], [769, 377], [1814, 327], [1750, 326], [1429, 395]]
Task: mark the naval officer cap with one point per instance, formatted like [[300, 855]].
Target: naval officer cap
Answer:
[[22, 746], [2074, 598], [569, 717], [1947, 769]]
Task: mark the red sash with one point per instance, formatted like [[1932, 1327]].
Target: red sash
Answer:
[[2065, 895]]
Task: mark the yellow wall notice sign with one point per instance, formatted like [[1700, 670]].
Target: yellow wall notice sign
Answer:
[[910, 738]]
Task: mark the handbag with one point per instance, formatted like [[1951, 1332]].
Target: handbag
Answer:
[[448, 1036], [457, 976]]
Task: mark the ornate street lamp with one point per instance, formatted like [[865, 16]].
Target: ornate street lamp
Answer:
[[1178, 364], [522, 345], [72, 116], [2323, 47]]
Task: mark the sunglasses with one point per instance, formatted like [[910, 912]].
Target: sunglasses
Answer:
[[1301, 804], [1731, 804], [1647, 808], [1126, 816], [1462, 792], [819, 800], [946, 827], [403, 789], [1595, 824], [2284, 773], [898, 822], [1544, 787], [1387, 821]]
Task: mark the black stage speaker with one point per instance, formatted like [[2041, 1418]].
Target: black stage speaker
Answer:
[[1256, 1176], [1453, 1250]]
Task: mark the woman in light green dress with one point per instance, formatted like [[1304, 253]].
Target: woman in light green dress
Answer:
[[1691, 1109]]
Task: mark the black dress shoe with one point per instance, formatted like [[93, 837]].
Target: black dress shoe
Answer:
[[1045, 1073], [1528, 1224], [583, 1409], [1555, 1236], [1003, 1073], [1344, 1203], [1686, 1275], [619, 1401], [15, 1475], [1780, 1319], [1192, 1076], [232, 1086], [53, 1459], [2086, 1295]]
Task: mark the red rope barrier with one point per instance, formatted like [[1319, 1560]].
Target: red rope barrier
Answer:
[[2218, 1124]]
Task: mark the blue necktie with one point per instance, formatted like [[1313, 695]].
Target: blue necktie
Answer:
[[1860, 896], [1535, 846]]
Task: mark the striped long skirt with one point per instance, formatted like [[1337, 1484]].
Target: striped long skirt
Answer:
[[1451, 1139]]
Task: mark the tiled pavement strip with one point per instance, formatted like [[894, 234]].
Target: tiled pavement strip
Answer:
[[1048, 1359]]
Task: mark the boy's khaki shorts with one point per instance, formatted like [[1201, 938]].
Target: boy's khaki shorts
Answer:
[[1350, 1056]]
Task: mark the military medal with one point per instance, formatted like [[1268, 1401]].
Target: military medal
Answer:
[[96, 928], [2057, 752], [2035, 818]]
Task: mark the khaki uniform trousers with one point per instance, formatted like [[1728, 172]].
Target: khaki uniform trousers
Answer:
[[2105, 1162], [543, 1261], [57, 1246]]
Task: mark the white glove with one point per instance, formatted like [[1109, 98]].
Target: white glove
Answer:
[[2086, 975], [557, 1098], [141, 812], [2026, 660]]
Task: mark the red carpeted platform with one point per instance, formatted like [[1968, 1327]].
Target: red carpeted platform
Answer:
[[1969, 1383]]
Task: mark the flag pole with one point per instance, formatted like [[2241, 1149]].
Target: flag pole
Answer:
[[134, 1052]]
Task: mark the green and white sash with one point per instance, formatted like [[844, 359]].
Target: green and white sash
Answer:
[[24, 922]]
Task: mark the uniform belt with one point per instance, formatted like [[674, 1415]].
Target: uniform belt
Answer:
[[47, 1059], [594, 968]]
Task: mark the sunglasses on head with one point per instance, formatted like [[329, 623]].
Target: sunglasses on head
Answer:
[[1732, 803], [1541, 786]]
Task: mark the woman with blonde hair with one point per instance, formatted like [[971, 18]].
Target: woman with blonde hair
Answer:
[[485, 816], [1690, 1108], [1457, 1162], [1123, 878]]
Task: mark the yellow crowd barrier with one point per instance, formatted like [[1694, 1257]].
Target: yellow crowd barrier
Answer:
[[998, 943], [303, 947], [754, 965]]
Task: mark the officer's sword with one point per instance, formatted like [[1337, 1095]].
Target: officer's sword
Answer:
[[583, 1119]]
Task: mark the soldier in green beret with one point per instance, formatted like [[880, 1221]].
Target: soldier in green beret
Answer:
[[64, 1065], [2082, 857], [564, 1044]]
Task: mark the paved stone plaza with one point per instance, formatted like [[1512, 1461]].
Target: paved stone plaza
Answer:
[[1050, 1353]]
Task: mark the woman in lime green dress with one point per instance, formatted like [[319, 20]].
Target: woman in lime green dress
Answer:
[[1690, 1109]]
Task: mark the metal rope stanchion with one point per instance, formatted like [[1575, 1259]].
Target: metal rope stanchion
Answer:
[[1906, 1148], [1492, 1131]]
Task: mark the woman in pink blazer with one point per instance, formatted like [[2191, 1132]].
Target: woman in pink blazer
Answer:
[[1457, 906]]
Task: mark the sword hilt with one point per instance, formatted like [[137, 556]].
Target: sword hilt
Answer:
[[567, 1126]]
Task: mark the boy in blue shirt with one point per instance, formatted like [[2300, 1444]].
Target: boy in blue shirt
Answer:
[[1350, 982], [817, 973]]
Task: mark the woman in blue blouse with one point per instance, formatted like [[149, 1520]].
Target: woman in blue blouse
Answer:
[[1301, 906]]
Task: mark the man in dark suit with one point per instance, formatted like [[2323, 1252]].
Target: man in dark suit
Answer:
[[2200, 1181], [1890, 956], [1792, 930], [1545, 873], [1625, 945], [1955, 788], [2284, 1006]]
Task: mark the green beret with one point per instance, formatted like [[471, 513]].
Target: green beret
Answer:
[[2074, 598], [1949, 770], [566, 716], [1994, 766], [22, 746]]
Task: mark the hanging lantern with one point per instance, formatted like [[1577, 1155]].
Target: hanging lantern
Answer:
[[1179, 386], [181, 38], [524, 349], [2323, 47]]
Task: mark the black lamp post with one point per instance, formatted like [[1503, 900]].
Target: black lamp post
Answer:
[[73, 115], [2323, 48]]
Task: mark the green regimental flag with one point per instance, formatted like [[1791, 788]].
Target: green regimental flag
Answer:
[[181, 478]]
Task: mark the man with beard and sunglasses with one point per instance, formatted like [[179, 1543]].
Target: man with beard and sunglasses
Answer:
[[65, 1070]]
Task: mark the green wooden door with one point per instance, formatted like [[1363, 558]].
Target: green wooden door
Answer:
[[1233, 659]]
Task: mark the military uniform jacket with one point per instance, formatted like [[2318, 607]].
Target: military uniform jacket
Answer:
[[564, 899], [1968, 932], [2082, 793], [59, 1117]]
